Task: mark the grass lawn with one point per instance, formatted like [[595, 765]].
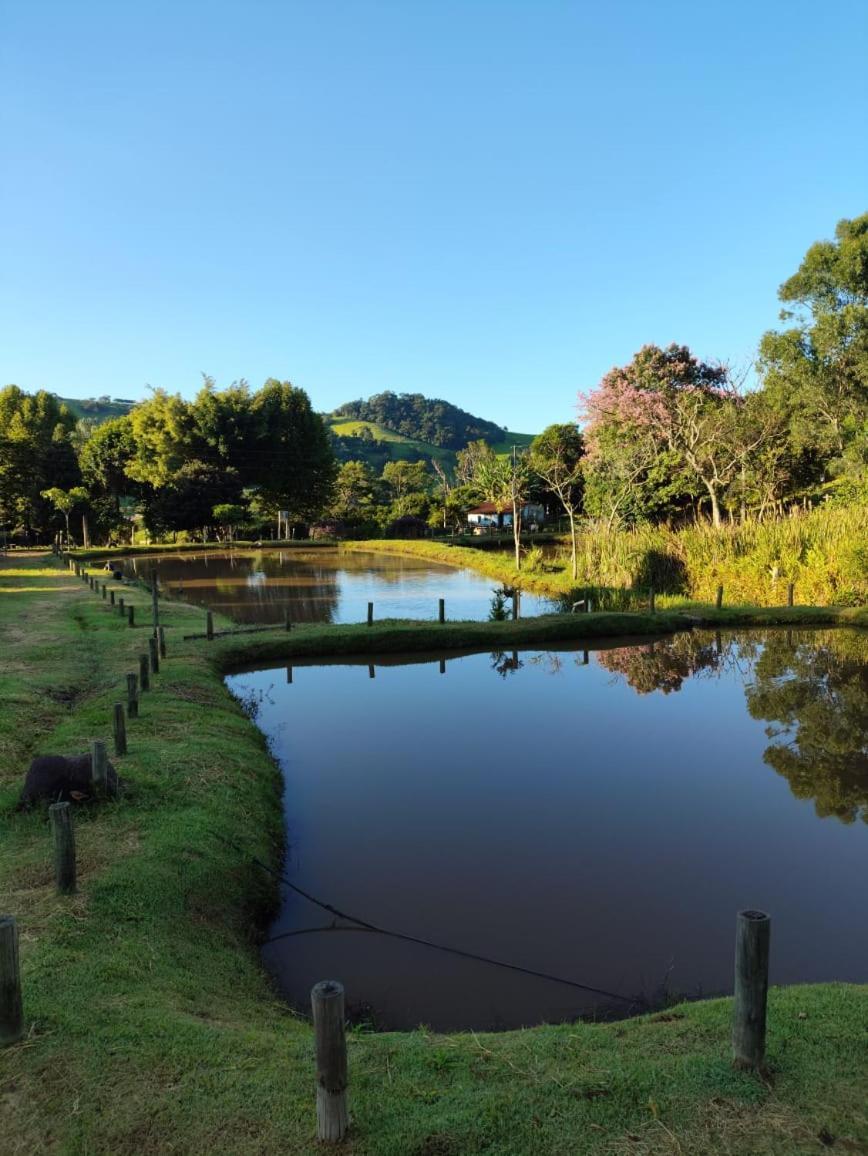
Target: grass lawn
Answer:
[[150, 1025]]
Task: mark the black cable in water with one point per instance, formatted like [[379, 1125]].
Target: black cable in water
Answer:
[[363, 925]]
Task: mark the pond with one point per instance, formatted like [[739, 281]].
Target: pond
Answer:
[[323, 584], [597, 815]]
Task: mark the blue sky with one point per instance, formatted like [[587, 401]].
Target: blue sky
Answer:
[[488, 202]]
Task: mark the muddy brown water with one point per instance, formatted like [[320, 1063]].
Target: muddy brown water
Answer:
[[599, 815]]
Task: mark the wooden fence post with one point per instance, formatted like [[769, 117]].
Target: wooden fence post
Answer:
[[131, 615], [651, 601], [132, 696], [119, 728], [121, 610], [144, 677], [332, 1119], [161, 639], [155, 655], [64, 847], [155, 599], [104, 591], [112, 597], [441, 610], [370, 614], [790, 592], [751, 989], [209, 625], [99, 767], [11, 1015], [719, 601]]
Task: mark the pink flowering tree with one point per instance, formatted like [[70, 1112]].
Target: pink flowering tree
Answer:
[[666, 402]]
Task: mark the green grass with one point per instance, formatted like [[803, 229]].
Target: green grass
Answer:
[[151, 1027]]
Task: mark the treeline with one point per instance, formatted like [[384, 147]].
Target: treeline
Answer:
[[423, 419], [670, 438], [230, 457], [666, 440]]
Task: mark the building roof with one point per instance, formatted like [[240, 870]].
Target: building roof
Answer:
[[490, 508]]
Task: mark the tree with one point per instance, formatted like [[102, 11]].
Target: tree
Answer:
[[469, 460], [65, 502], [187, 500], [162, 436], [506, 482], [224, 428], [295, 466], [229, 515], [685, 406], [557, 456], [36, 453], [403, 477], [817, 370]]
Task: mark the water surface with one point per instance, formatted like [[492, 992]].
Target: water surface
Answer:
[[322, 585], [601, 816]]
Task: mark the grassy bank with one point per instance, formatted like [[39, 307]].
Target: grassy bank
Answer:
[[824, 552], [151, 1027]]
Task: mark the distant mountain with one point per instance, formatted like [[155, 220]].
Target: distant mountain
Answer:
[[97, 408], [432, 420]]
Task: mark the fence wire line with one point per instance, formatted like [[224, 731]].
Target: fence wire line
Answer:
[[364, 925]]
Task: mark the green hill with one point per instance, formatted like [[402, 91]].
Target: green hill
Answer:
[[97, 408], [410, 427]]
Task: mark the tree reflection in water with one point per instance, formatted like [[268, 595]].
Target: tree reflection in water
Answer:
[[665, 663], [812, 685], [815, 687]]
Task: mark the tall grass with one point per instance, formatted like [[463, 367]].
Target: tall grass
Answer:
[[824, 552]]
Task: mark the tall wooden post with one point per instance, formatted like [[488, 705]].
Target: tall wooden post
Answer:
[[161, 639], [719, 600], [441, 610], [442, 665], [99, 767], [111, 597], [332, 1118], [63, 836], [751, 989], [370, 614], [372, 671], [121, 610], [11, 1012], [651, 601], [209, 625], [131, 615], [119, 729], [104, 591], [155, 599], [132, 696], [144, 676], [155, 655]]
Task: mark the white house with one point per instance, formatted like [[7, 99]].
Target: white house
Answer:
[[487, 517]]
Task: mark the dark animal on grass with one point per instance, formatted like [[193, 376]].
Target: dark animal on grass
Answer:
[[63, 779]]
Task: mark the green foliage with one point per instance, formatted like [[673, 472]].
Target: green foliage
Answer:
[[423, 419], [36, 454], [816, 372]]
